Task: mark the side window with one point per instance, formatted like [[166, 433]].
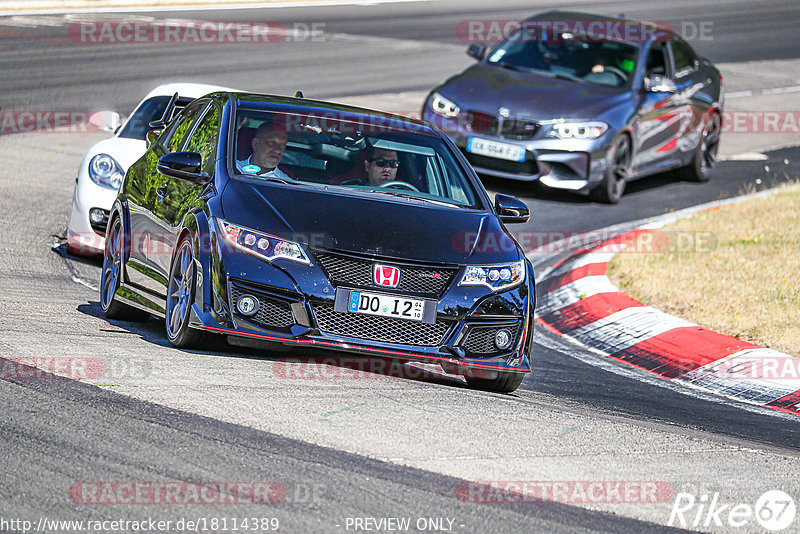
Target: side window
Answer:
[[181, 127], [684, 58], [656, 60], [204, 139]]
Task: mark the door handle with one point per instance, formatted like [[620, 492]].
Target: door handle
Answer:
[[161, 192]]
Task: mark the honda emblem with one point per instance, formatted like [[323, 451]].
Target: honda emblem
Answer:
[[385, 275]]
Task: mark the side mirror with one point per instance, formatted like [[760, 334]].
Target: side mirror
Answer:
[[657, 83], [511, 210], [151, 137], [184, 166], [476, 50]]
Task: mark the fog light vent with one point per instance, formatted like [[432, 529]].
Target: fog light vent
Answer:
[[247, 305], [502, 339]]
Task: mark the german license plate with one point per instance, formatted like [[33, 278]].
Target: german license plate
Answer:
[[495, 149], [386, 306]]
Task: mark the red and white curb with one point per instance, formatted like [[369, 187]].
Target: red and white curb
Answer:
[[578, 301]]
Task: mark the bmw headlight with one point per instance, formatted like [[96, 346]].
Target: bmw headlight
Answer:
[[578, 130], [495, 277], [443, 106], [105, 171], [266, 246]]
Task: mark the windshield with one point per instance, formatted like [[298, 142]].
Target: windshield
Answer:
[[351, 153], [150, 110], [582, 58]]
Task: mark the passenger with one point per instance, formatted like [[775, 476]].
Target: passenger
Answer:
[[269, 143]]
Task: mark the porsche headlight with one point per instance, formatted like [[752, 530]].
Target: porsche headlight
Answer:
[[578, 130], [443, 106], [495, 277], [105, 171], [266, 246]]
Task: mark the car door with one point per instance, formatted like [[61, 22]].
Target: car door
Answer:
[[691, 85], [148, 240], [181, 196], [659, 118]]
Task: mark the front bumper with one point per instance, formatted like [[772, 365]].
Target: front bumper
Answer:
[[573, 165], [297, 308]]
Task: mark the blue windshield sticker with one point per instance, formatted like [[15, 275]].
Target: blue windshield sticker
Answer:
[[251, 169]]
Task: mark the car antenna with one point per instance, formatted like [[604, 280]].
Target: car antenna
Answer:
[[298, 94]]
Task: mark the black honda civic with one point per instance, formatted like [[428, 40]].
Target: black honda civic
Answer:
[[275, 220]]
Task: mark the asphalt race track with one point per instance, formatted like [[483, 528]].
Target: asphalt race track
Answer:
[[341, 444]]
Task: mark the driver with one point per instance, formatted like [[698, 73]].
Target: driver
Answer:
[[269, 144], [381, 166]]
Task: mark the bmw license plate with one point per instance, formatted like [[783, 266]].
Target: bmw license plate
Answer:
[[386, 306], [495, 149]]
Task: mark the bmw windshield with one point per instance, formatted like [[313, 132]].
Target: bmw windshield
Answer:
[[582, 58], [350, 153]]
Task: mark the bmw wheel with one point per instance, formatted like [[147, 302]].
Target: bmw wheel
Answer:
[[618, 170], [180, 296], [111, 276], [705, 156]]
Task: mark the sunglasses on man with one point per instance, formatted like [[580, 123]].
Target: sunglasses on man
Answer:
[[390, 163]]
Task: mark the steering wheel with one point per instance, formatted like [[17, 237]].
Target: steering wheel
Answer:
[[399, 184], [618, 72]]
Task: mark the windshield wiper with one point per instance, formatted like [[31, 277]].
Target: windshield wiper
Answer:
[[509, 66]]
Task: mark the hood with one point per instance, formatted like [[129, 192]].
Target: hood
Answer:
[[124, 151], [373, 225], [487, 88]]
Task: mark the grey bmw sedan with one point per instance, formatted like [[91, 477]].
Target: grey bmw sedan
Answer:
[[584, 103]]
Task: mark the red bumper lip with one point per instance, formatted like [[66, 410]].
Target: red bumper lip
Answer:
[[371, 350]]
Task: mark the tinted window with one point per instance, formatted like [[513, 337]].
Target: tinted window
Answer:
[[348, 153], [204, 138], [181, 127], [580, 57], [656, 60], [684, 58]]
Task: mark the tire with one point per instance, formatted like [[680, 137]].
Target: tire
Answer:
[[111, 275], [180, 296], [504, 383], [705, 156], [618, 169]]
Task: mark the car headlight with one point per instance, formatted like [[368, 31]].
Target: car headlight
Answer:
[[495, 277], [443, 106], [105, 171], [578, 130], [266, 246]]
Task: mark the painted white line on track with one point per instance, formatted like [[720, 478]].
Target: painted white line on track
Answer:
[[206, 7], [770, 91]]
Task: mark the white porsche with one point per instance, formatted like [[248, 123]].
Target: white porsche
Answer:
[[104, 165]]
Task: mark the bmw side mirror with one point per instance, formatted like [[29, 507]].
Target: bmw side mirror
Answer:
[[656, 83], [511, 210], [476, 50], [184, 166]]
